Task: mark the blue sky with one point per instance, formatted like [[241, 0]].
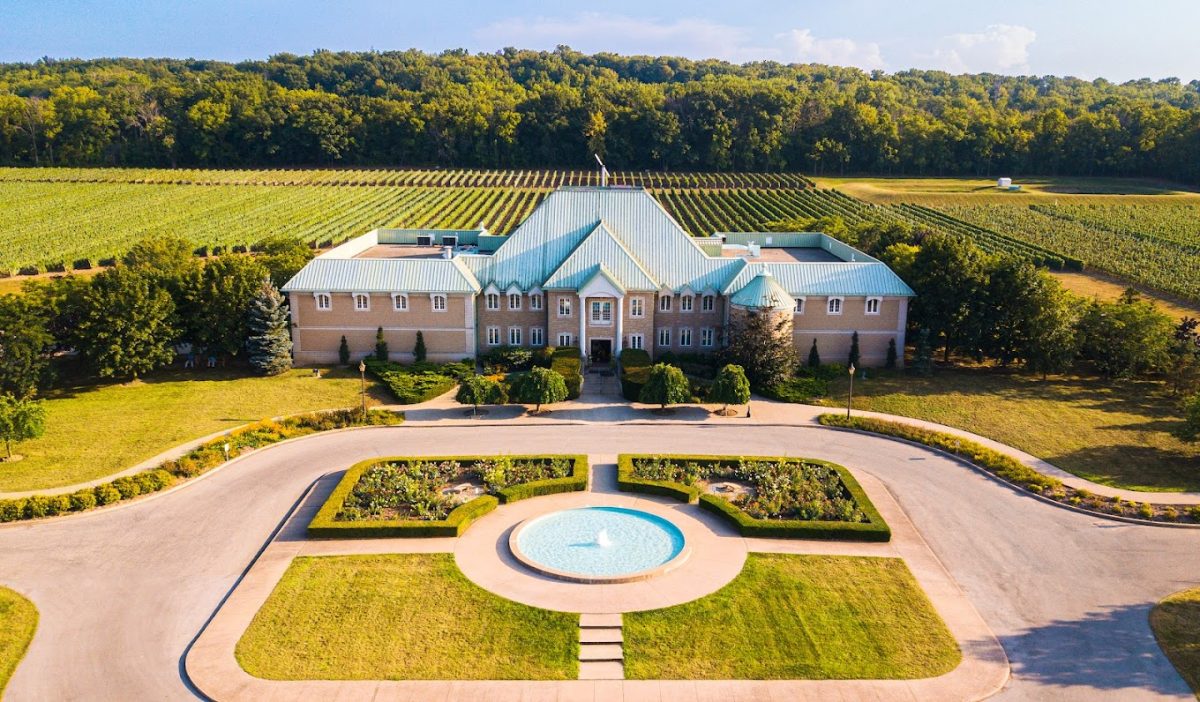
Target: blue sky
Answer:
[[1100, 38]]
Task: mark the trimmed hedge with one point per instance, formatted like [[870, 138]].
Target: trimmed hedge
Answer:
[[635, 370], [874, 529], [566, 362], [324, 524], [195, 462]]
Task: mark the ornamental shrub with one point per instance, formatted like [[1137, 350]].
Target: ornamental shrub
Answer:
[[12, 510], [665, 385], [83, 500], [107, 494], [37, 506], [128, 487]]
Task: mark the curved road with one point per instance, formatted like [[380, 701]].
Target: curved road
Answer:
[[122, 593]]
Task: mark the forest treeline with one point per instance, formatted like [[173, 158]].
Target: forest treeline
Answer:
[[516, 108]]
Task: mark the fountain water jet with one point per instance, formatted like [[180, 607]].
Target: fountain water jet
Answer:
[[602, 539]]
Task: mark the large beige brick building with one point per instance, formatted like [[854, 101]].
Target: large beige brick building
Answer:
[[603, 269]]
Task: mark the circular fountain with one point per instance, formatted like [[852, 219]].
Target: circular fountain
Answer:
[[599, 545]]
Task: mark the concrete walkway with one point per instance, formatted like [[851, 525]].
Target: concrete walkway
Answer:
[[718, 555]]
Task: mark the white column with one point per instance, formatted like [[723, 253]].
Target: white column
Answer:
[[582, 327], [620, 326]]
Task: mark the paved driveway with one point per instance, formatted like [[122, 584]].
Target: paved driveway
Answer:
[[122, 593]]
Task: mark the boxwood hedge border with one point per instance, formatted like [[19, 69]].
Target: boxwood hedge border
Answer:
[[325, 526], [875, 529]]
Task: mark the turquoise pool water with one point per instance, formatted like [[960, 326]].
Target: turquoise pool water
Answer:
[[600, 541]]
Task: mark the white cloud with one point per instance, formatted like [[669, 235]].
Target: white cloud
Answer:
[[693, 38], [799, 45], [1000, 48]]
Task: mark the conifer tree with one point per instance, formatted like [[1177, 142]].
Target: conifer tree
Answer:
[[814, 357], [381, 346], [419, 351], [269, 345], [855, 356], [344, 352], [891, 354]]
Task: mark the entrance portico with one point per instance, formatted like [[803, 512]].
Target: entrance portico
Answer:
[[601, 314]]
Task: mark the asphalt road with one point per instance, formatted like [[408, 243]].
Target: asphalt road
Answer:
[[122, 593]]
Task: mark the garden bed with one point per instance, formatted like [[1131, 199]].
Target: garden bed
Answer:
[[438, 496], [774, 496], [418, 382]]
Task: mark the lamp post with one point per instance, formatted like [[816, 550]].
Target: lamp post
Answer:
[[362, 376], [850, 397]]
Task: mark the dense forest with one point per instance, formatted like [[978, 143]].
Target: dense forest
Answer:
[[519, 108]]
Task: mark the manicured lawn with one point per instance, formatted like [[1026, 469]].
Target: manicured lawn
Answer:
[[797, 617], [18, 620], [1034, 189], [401, 617], [1113, 433], [1176, 624], [96, 430]]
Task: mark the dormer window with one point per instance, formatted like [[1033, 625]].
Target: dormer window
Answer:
[[514, 302], [664, 303], [708, 303], [535, 301], [873, 305], [685, 303], [492, 301]]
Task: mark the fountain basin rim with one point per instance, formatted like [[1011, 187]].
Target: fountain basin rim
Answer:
[[587, 579]]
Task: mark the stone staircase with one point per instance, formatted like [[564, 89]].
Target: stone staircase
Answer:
[[601, 647]]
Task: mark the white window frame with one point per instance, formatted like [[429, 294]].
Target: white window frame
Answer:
[[637, 341], [537, 336], [564, 306], [707, 337], [708, 303], [362, 302], [535, 302], [878, 305], [517, 298], [685, 337], [399, 302], [324, 301], [687, 303], [491, 301], [664, 303], [564, 339], [601, 313], [493, 336], [637, 307], [438, 302], [664, 332], [830, 305], [514, 336], [800, 302]]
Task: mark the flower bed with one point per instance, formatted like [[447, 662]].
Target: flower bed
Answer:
[[195, 462], [779, 496], [387, 497], [1016, 473]]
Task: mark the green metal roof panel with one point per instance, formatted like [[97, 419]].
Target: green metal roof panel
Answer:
[[763, 292], [601, 248], [822, 279], [409, 236], [416, 275]]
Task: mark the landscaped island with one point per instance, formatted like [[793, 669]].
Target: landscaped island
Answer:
[[18, 621]]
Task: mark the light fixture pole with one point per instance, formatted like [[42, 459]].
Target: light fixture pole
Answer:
[[362, 376], [850, 397]]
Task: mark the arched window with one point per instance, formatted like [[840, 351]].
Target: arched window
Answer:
[[835, 305]]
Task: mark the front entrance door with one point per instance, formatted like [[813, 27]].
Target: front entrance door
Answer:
[[601, 350]]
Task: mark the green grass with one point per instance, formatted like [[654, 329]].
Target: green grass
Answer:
[[97, 430], [797, 617], [1176, 624], [18, 621], [1116, 433], [401, 617], [1033, 189]]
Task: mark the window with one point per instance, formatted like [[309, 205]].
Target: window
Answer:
[[514, 336], [537, 336], [664, 303], [324, 301], [362, 302], [564, 339], [873, 305], [493, 336], [706, 337], [708, 303], [637, 307], [564, 307], [601, 311], [439, 303], [835, 305], [637, 341], [493, 301], [685, 303], [664, 336], [400, 303], [514, 301], [535, 302], [685, 336], [799, 305]]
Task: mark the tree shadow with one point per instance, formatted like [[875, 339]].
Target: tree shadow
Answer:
[[1109, 650], [1148, 467]]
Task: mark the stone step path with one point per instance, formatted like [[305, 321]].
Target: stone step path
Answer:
[[601, 650]]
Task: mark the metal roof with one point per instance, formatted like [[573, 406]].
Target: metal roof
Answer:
[[763, 293], [384, 275], [600, 249], [823, 279]]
